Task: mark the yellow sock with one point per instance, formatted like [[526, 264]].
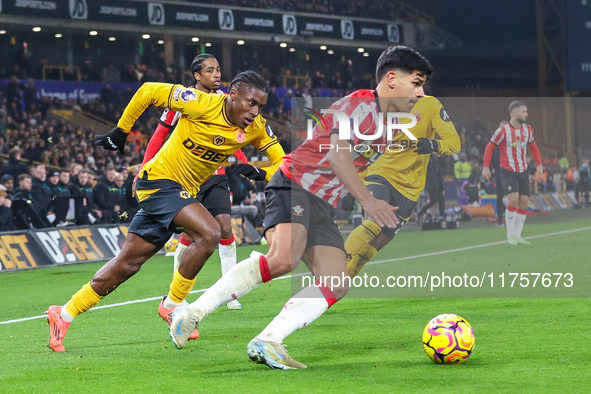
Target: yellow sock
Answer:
[[82, 301], [363, 257], [357, 241], [180, 287]]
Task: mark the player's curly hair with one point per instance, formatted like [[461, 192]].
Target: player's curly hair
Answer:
[[249, 78], [403, 58], [197, 63]]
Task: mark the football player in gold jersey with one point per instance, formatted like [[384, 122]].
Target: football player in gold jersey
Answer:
[[399, 175], [211, 129]]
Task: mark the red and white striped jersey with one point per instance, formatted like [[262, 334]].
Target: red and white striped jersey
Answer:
[[170, 118], [512, 145], [308, 164]]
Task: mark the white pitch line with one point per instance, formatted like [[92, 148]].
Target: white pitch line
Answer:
[[306, 273]]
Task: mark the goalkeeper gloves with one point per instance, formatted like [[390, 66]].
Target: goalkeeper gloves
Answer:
[[426, 146], [251, 172], [114, 140]]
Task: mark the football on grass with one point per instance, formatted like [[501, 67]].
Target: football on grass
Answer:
[[448, 339]]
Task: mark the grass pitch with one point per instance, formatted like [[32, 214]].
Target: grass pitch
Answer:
[[361, 344]]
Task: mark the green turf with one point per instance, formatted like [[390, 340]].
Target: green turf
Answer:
[[360, 345]]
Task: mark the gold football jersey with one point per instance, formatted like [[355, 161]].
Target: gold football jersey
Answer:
[[400, 165], [203, 139]]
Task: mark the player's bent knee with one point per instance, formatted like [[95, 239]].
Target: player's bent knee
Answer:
[[211, 237]]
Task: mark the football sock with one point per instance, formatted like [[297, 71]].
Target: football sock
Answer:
[[365, 254], [302, 309], [227, 250], [510, 216], [242, 278], [180, 288], [81, 302], [519, 221], [358, 240], [180, 249]]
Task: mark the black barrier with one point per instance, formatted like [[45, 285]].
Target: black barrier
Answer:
[[34, 248], [207, 18]]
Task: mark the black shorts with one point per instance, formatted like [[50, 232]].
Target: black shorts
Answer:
[[214, 194], [381, 189], [154, 221], [515, 182], [287, 202]]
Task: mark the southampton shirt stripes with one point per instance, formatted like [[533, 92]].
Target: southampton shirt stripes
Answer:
[[512, 145]]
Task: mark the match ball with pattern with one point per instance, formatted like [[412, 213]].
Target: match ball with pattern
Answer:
[[448, 339]]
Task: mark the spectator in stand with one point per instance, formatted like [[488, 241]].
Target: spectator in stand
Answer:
[[61, 198], [470, 188], [563, 161], [40, 191], [6, 223], [23, 192], [75, 169], [13, 90], [30, 96], [7, 181], [52, 181], [572, 178], [551, 160], [110, 73], [106, 196], [24, 59], [462, 168], [14, 166], [273, 103]]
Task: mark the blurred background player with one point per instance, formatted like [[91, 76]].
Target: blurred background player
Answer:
[[398, 177], [512, 139], [301, 202], [214, 193], [168, 184]]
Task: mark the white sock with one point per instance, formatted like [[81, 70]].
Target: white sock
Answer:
[[180, 249], [302, 309], [227, 256], [242, 278], [519, 223], [510, 218], [65, 315]]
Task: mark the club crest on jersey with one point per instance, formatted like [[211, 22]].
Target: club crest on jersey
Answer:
[[240, 137], [218, 140], [188, 95], [298, 210], [185, 194]]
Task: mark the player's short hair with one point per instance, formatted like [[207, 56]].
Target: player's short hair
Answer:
[[249, 78], [197, 63], [515, 104], [403, 58]]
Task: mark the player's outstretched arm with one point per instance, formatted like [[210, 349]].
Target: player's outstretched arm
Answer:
[[341, 162], [176, 97]]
